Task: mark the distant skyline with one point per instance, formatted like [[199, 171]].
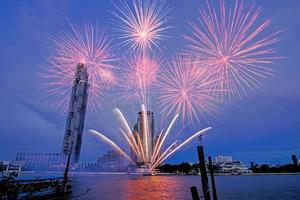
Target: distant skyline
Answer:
[[263, 126]]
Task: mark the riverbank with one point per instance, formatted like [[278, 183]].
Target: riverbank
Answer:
[[42, 173]]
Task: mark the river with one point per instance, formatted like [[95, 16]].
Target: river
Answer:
[[125, 187]]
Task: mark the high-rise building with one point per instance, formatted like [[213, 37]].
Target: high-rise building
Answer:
[[76, 114], [133, 155], [146, 129]]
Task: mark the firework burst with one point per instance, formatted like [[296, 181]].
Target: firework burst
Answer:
[[138, 76], [142, 24], [232, 45], [187, 89], [88, 46]]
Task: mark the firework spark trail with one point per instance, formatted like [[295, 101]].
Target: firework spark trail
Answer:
[[161, 159], [161, 142], [231, 44], [146, 132], [156, 145], [157, 161], [88, 46], [131, 143], [127, 133], [141, 25], [188, 89], [110, 142], [142, 147], [123, 121]]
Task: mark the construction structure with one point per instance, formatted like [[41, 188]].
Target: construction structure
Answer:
[[76, 115]]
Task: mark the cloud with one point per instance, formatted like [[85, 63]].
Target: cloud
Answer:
[[35, 17], [32, 105], [23, 128]]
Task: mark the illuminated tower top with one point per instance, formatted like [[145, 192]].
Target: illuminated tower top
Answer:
[[76, 114]]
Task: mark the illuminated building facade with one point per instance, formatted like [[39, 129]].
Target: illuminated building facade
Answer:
[[142, 130], [111, 161]]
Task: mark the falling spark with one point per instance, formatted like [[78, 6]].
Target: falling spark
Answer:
[[141, 25], [230, 42], [185, 88], [88, 46]]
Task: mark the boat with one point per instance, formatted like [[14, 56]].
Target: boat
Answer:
[[142, 170], [34, 188], [12, 186], [145, 171]]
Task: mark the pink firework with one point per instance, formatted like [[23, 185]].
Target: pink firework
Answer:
[[232, 45], [138, 76], [142, 24], [88, 46], [187, 89]]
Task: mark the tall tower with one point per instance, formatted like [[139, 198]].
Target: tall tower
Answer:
[[76, 114]]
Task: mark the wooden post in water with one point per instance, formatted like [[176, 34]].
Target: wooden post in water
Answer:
[[63, 189], [213, 184], [194, 192], [204, 179]]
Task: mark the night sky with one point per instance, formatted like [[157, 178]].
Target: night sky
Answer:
[[264, 126]]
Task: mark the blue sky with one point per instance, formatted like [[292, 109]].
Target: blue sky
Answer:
[[264, 126]]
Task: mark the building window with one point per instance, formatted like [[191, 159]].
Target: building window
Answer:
[[68, 132]]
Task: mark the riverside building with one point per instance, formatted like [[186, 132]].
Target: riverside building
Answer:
[[40, 160], [111, 161], [226, 164]]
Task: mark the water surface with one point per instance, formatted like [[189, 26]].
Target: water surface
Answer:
[[124, 187]]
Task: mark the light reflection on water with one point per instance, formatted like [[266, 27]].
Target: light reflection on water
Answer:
[[124, 187]]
